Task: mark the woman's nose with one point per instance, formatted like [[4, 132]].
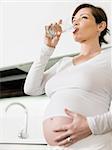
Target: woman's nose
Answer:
[[76, 22]]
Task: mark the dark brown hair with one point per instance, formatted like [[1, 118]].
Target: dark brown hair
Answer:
[[99, 16]]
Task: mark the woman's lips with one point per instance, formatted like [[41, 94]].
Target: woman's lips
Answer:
[[75, 31]]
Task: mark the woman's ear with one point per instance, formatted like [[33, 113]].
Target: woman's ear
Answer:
[[101, 26]]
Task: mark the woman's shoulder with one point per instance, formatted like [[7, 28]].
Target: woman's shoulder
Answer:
[[105, 58], [107, 51], [107, 54]]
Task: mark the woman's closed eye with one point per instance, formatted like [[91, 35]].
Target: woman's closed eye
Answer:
[[84, 17], [79, 19]]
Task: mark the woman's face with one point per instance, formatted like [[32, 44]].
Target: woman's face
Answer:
[[85, 25]]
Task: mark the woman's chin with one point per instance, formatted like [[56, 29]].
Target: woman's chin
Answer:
[[76, 38], [79, 40]]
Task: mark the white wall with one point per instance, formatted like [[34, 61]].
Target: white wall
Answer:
[[22, 27]]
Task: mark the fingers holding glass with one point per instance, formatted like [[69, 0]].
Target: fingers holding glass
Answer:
[[53, 30]]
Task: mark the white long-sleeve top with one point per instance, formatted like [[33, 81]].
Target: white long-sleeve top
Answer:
[[85, 88]]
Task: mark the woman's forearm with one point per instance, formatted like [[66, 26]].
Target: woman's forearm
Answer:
[[100, 124], [34, 84]]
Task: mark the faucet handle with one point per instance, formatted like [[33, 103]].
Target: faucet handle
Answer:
[[23, 134]]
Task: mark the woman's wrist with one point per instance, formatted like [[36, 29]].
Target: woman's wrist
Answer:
[[51, 46], [87, 127]]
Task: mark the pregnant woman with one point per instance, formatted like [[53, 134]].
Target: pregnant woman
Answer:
[[80, 87]]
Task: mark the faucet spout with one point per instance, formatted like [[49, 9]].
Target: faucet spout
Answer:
[[23, 133]]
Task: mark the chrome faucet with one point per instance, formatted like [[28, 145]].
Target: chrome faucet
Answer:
[[23, 134]]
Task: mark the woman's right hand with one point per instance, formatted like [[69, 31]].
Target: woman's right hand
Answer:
[[52, 41]]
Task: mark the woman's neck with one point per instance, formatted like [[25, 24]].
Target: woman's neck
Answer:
[[90, 49]]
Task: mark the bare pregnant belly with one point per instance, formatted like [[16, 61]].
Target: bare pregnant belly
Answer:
[[50, 124]]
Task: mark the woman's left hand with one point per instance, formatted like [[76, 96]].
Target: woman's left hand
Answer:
[[78, 129]]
